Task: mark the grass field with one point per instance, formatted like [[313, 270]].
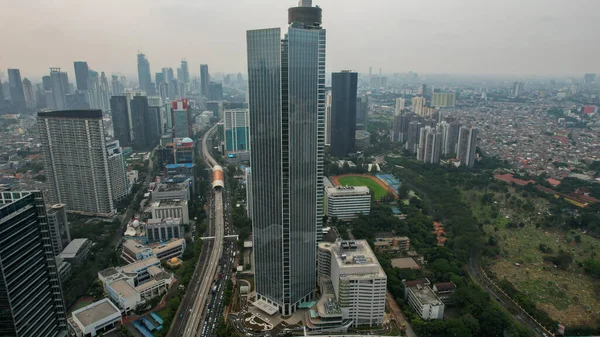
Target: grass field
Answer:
[[375, 188], [568, 296]]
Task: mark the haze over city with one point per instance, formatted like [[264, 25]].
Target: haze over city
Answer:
[[516, 38]]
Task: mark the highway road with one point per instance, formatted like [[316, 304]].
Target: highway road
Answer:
[[193, 326]]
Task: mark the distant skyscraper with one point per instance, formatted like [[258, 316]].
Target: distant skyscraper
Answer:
[[180, 112], [589, 78], [215, 91], [343, 113], [417, 105], [441, 100], [29, 94], [517, 89], [116, 85], [155, 113], [399, 105], [185, 72], [362, 112], [236, 126], [204, 80], [30, 290], [140, 118], [81, 75], [17, 95], [467, 143], [400, 127], [75, 160], [412, 139], [60, 88], [120, 119], [449, 137], [286, 79], [144, 77], [430, 144], [159, 78]]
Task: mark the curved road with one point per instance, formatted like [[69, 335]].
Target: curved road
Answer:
[[195, 322]]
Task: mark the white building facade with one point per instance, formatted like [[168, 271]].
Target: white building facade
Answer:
[[347, 202]]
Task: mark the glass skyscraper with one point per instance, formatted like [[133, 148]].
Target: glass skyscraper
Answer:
[[286, 80]]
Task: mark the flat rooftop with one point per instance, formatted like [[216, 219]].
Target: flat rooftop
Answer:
[[172, 187], [405, 263], [142, 264], [347, 191], [134, 246], [169, 203], [354, 254], [265, 306], [168, 245], [123, 288], [96, 311], [72, 248], [425, 294]]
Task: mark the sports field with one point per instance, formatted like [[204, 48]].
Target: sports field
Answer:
[[356, 180]]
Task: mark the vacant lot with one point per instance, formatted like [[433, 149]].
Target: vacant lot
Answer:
[[371, 182]]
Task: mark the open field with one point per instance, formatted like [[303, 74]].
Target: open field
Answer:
[[568, 296], [376, 186]]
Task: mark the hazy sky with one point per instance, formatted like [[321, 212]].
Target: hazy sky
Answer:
[[515, 37]]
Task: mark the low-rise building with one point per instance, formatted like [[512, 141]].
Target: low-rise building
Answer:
[[444, 291], [64, 268], [132, 285], [134, 250], [349, 274], [423, 300], [76, 251], [100, 317], [162, 230], [394, 244], [170, 208], [347, 202]]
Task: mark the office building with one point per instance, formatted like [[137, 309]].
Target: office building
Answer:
[[81, 74], [343, 113], [170, 208], [347, 202], [163, 229], [351, 276], [144, 77], [204, 80], [117, 171], [58, 224], [249, 203], [328, 118], [412, 139], [423, 300], [30, 290], [172, 190], [15, 85], [116, 86], [184, 151], [29, 94], [400, 102], [155, 117], [467, 143], [215, 91], [60, 88], [98, 318], [180, 115], [362, 112], [140, 117], [119, 110], [286, 79], [98, 91], [83, 185], [443, 100], [417, 105], [517, 89], [236, 125]]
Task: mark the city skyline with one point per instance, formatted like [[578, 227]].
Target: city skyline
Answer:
[[475, 37]]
